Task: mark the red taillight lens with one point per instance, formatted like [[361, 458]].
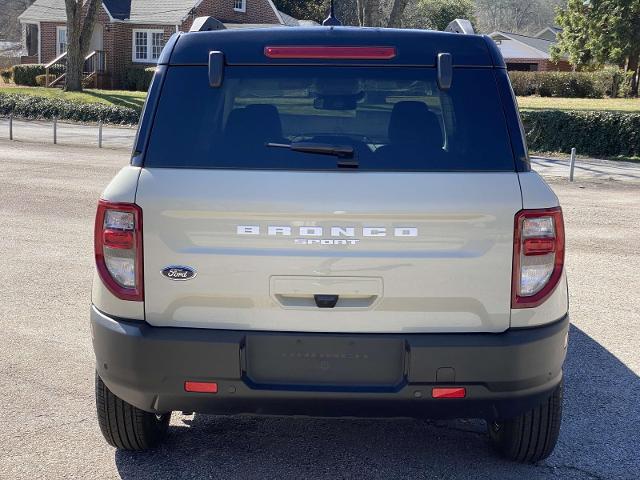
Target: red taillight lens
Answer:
[[538, 246], [118, 249], [448, 392], [330, 52], [201, 387], [538, 256], [118, 239]]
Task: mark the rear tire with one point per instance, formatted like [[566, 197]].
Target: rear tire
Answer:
[[532, 436], [125, 426]]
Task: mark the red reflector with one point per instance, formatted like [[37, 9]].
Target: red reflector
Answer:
[[449, 392], [117, 239], [201, 387], [329, 52], [539, 246]]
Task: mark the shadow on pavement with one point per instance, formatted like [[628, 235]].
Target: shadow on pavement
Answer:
[[599, 439]]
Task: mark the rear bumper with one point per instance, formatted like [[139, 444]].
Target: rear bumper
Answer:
[[504, 374]]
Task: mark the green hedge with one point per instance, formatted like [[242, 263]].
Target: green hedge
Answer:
[[594, 133], [6, 74], [26, 74], [608, 82], [138, 78], [34, 107]]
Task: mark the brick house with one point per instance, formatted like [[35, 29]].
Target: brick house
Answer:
[[531, 54], [131, 33]]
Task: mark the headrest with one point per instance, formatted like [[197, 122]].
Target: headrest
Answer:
[[413, 122], [257, 123]]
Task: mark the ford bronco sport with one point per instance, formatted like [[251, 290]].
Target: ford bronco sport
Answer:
[[330, 221]]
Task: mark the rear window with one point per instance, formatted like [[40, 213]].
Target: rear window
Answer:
[[385, 118]]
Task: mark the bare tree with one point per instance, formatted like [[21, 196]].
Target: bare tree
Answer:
[[10, 28], [79, 31], [372, 13], [369, 13], [518, 16], [522, 14], [397, 10]]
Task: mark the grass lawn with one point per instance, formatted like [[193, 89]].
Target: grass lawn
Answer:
[[554, 103], [122, 98]]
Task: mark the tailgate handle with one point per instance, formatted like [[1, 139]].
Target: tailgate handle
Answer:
[[326, 301]]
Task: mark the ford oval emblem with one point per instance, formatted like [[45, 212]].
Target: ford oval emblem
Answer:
[[178, 272]]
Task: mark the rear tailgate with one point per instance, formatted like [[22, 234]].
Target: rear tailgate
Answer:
[[416, 236], [405, 252]]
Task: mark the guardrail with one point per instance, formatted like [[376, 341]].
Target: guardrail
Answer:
[[73, 133]]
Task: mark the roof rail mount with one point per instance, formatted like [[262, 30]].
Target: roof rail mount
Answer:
[[460, 25], [331, 20], [206, 24]]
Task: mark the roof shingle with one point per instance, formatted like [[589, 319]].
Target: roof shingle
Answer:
[[166, 12]]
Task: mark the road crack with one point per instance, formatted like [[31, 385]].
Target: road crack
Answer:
[[573, 468]]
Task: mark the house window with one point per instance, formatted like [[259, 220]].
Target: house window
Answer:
[[147, 45], [240, 5], [61, 40]]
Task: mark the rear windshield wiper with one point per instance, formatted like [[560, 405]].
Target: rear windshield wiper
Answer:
[[340, 151]]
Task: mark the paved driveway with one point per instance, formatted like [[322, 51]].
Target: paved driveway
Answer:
[[588, 169], [48, 427]]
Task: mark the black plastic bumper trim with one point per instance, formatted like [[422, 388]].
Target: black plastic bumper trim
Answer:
[[504, 373]]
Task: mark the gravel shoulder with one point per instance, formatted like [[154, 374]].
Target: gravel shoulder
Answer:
[[48, 426]]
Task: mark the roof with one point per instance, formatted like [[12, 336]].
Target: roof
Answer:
[[290, 21], [540, 44], [552, 29], [163, 12], [413, 47], [51, 10], [241, 26], [549, 33], [119, 9], [170, 12]]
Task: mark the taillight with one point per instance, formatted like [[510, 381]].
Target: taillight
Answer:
[[118, 248], [329, 52], [538, 256]]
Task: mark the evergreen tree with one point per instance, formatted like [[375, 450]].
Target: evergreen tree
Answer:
[[596, 32]]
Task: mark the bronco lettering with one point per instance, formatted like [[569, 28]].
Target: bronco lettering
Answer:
[[306, 231]]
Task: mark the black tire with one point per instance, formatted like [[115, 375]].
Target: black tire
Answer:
[[532, 436], [125, 426]]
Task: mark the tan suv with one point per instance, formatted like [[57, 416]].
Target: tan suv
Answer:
[[330, 221]]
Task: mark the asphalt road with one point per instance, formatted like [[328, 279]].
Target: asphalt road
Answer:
[[47, 421], [588, 168]]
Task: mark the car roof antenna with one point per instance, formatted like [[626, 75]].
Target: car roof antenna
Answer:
[[331, 20]]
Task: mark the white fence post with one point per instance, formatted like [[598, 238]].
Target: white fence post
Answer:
[[100, 134], [55, 130], [572, 164]]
